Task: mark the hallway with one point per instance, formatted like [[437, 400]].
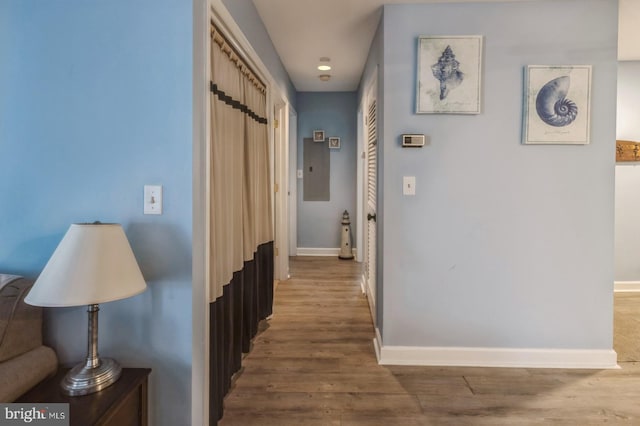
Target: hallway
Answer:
[[314, 364]]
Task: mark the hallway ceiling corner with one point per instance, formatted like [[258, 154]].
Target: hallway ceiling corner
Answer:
[[303, 31]]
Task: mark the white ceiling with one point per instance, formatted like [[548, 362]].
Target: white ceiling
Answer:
[[303, 31]]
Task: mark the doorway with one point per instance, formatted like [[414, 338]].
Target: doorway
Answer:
[[369, 194]]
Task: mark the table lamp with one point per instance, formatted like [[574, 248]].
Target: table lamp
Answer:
[[92, 264]]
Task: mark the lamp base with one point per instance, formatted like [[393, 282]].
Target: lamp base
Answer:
[[83, 380]]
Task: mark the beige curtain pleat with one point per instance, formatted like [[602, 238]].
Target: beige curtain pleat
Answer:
[[250, 196], [241, 217], [264, 220]]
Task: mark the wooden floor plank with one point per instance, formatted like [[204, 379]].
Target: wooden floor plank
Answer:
[[626, 325], [313, 363]]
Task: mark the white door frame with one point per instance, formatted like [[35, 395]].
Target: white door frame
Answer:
[[280, 125], [361, 183], [199, 278], [293, 182]]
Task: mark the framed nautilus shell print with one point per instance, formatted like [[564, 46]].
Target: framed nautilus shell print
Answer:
[[557, 104], [449, 75]]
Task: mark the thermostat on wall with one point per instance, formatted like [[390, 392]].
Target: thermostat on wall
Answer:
[[413, 141]]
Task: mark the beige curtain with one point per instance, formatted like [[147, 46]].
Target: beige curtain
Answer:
[[258, 216], [241, 217]]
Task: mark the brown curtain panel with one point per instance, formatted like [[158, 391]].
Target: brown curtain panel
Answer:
[[241, 263]]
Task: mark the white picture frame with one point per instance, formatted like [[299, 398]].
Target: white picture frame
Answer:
[[449, 75], [318, 136], [334, 142], [557, 104]]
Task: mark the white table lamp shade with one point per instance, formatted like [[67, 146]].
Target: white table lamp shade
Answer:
[[92, 264]]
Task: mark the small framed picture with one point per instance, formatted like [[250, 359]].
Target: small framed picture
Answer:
[[557, 104], [318, 135], [449, 74], [334, 143]]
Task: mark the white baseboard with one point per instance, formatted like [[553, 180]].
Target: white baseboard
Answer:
[[320, 251], [310, 251], [626, 286], [494, 357]]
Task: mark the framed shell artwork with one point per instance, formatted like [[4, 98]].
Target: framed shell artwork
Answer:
[[449, 75], [557, 104]]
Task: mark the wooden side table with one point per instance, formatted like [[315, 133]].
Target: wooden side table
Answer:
[[124, 403]]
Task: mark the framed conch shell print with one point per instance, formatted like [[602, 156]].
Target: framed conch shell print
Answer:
[[557, 104], [449, 75]]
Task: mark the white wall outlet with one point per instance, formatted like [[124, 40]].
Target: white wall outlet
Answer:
[[299, 174], [153, 199], [408, 185]]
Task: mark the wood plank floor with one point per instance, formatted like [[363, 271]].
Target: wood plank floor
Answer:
[[314, 364]]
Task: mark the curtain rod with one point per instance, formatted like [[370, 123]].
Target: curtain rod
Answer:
[[236, 57]]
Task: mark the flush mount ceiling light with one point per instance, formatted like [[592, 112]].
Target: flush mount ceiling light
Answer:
[[324, 77], [324, 64]]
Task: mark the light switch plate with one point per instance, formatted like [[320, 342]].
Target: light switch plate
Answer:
[[299, 174], [409, 185], [153, 199]]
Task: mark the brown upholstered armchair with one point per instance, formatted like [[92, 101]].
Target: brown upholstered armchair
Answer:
[[24, 361]]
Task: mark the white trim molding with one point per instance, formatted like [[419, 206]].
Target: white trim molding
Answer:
[[494, 357], [377, 345], [371, 300], [320, 251], [626, 286], [200, 290]]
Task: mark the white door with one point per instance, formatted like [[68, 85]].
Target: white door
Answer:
[[371, 191]]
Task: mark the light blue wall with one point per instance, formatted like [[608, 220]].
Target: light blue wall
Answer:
[[96, 103], [336, 114], [5, 53], [246, 16], [627, 226], [504, 245], [374, 63]]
